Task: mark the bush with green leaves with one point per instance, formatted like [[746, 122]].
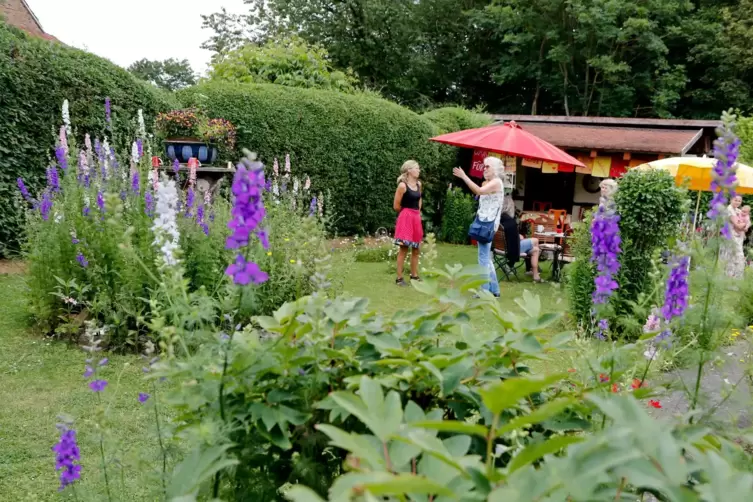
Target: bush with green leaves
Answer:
[[278, 379], [90, 237], [352, 145], [36, 76], [453, 118], [457, 215], [580, 275], [288, 61]]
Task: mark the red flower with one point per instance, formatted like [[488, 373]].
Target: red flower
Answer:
[[636, 383], [603, 378], [654, 404], [615, 389]]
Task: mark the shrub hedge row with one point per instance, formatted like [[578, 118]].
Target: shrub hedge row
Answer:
[[352, 145], [36, 76]]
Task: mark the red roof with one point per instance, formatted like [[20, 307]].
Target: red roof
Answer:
[[618, 139]]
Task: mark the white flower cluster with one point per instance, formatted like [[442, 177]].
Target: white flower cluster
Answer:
[[165, 226], [142, 126], [67, 117], [135, 153]]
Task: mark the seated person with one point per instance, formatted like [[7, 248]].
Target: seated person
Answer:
[[528, 246]]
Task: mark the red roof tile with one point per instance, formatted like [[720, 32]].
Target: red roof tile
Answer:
[[617, 139]]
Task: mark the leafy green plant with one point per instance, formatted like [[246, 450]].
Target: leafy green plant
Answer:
[[457, 216], [580, 275]]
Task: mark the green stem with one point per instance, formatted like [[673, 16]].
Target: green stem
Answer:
[[159, 438], [102, 452], [489, 445]]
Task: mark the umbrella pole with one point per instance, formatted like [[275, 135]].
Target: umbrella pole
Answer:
[[697, 206]]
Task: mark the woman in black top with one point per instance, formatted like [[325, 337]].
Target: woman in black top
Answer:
[[409, 232]]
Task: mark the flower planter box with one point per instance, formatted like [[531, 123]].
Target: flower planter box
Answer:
[[185, 148]]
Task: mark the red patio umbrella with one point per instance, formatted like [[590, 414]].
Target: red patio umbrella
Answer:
[[509, 139]]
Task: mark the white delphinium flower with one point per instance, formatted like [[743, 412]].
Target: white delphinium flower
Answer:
[[135, 153], [207, 198], [66, 117], [142, 126], [106, 156], [165, 226], [287, 166], [307, 185], [296, 186], [276, 168]]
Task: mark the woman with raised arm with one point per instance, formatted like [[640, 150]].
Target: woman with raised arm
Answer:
[[491, 198]]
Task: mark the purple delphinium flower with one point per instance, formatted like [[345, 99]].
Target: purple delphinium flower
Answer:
[[74, 240], [114, 159], [603, 328], [149, 203], [248, 210], [101, 201], [98, 385], [25, 191], [605, 240], [46, 205], [89, 371], [200, 213], [140, 147], [135, 182], [108, 113], [81, 259], [677, 290], [66, 456], [312, 207], [61, 155], [244, 272], [104, 362], [86, 211], [53, 181], [143, 397], [724, 173], [190, 199], [98, 148]]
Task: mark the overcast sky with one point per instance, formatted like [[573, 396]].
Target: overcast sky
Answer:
[[128, 30]]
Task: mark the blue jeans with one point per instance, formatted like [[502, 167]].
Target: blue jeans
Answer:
[[485, 260]]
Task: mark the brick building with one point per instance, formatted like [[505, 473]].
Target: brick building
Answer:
[[18, 13]]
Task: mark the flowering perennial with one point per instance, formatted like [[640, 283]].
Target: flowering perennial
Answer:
[[605, 240], [247, 215], [61, 155], [165, 225], [724, 173], [108, 113], [66, 457], [677, 290], [46, 205]]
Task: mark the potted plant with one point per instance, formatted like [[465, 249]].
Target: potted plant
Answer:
[[189, 133]]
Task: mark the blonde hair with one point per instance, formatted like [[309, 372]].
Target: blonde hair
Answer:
[[407, 166], [745, 208], [498, 166]]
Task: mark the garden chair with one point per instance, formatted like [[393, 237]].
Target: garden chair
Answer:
[[499, 253]]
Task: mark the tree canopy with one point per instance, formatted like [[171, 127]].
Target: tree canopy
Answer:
[[288, 61], [641, 58], [170, 74]]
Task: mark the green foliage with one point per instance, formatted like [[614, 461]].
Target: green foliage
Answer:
[[580, 275], [36, 77], [453, 118], [301, 366], [351, 145], [744, 130], [87, 263], [288, 61], [457, 216], [633, 457], [170, 74], [651, 209]]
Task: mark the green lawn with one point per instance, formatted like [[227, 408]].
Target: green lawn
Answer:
[[42, 379]]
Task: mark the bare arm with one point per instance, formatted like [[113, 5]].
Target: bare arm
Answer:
[[421, 200], [398, 197], [492, 186]]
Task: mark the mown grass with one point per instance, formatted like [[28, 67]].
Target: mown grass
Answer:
[[41, 379]]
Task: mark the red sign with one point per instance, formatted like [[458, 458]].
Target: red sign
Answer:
[[477, 164]]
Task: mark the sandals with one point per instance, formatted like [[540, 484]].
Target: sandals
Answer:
[[400, 282], [415, 278]]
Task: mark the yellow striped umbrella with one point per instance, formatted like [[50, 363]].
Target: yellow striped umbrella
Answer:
[[695, 172]]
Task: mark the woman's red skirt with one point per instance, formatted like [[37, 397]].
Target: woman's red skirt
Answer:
[[409, 230]]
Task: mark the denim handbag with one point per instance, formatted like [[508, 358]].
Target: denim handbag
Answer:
[[481, 231]]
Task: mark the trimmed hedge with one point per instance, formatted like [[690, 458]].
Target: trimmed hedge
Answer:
[[36, 76], [451, 119], [352, 145]]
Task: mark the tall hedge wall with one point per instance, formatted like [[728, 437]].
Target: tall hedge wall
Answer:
[[452, 118], [353, 145], [36, 76]]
